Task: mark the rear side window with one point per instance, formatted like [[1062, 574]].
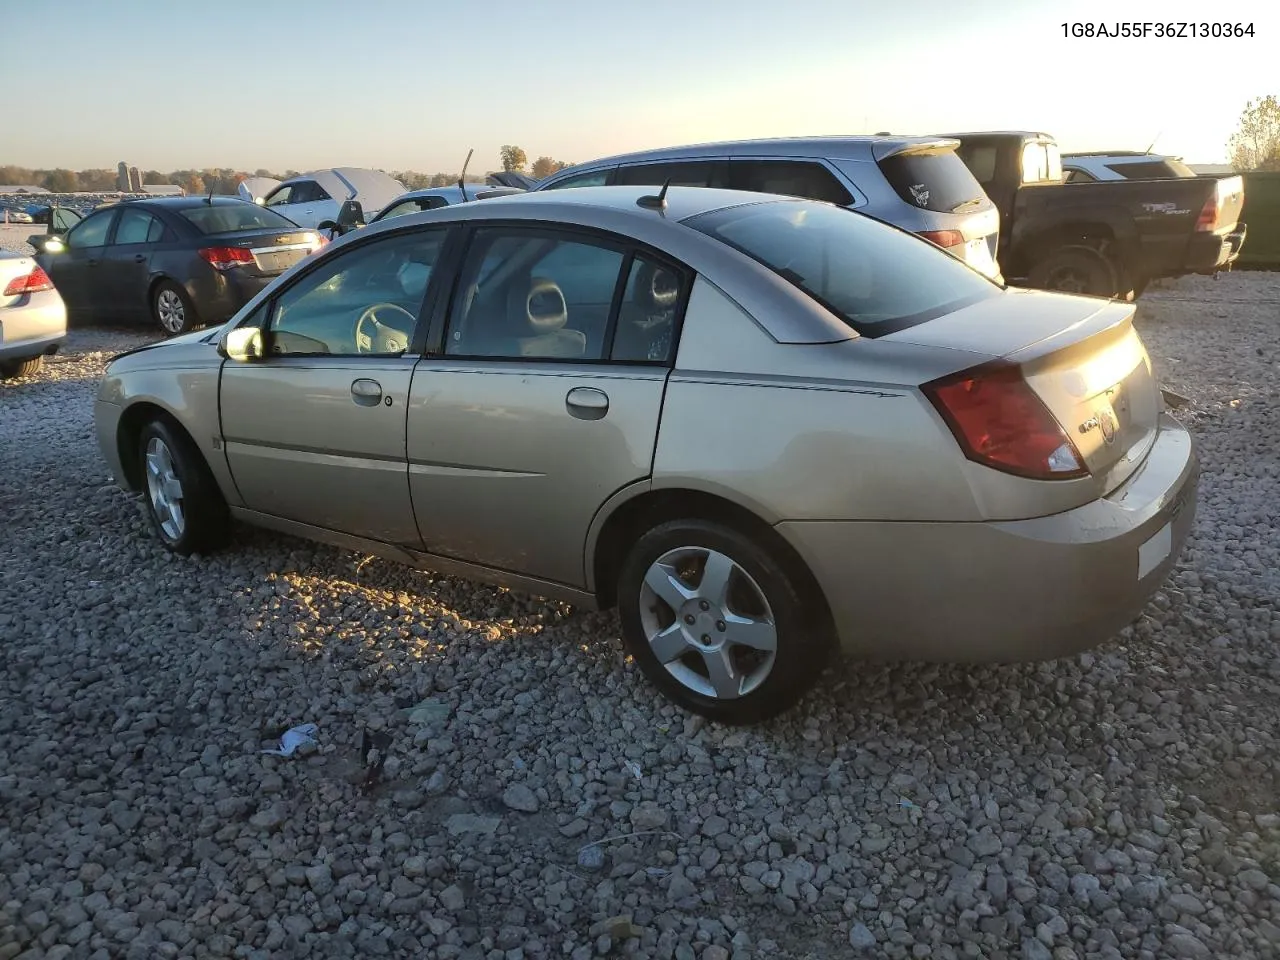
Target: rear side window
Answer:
[[682, 173], [136, 226], [937, 180], [876, 278], [1152, 170], [235, 218], [790, 178]]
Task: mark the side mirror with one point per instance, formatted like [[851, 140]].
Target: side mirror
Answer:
[[351, 214], [331, 228], [243, 344]]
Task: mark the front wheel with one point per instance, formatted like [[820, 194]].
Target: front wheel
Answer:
[[173, 309], [21, 368], [183, 501], [717, 624]]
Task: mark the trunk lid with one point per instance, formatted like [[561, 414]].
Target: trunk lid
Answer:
[[274, 251], [1081, 356]]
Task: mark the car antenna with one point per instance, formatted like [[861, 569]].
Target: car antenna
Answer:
[[655, 202], [462, 177], [209, 198], [1153, 142]]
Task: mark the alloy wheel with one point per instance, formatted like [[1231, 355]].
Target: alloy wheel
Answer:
[[171, 311], [165, 489], [708, 622]]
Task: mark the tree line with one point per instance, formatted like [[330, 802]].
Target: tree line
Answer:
[[1256, 143], [224, 180]]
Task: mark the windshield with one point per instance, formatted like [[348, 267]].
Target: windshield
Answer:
[[235, 218], [876, 278]]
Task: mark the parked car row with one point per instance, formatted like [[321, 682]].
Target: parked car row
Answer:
[[639, 397]]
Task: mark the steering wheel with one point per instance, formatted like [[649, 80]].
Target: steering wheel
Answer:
[[385, 338]]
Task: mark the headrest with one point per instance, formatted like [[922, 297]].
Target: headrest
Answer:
[[413, 279], [656, 287], [537, 308]]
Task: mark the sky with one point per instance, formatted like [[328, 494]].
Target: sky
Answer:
[[413, 84]]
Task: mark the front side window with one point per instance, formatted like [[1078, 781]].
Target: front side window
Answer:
[[1076, 175], [596, 178], [415, 205], [281, 196], [534, 295], [363, 302], [91, 231], [137, 226], [790, 178], [874, 277]]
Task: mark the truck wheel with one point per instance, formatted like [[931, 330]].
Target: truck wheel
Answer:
[[1076, 270], [21, 368]]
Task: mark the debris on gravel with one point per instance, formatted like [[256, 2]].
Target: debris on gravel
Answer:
[[1123, 803]]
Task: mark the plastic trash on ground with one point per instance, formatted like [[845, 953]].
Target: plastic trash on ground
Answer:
[[295, 737]]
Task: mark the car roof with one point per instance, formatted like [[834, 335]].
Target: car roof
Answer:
[[681, 202], [852, 147], [182, 203]]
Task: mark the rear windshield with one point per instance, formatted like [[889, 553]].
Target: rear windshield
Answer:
[[937, 181], [876, 278], [235, 218], [1152, 170]]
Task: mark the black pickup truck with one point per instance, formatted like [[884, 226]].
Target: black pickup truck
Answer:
[[1107, 238]]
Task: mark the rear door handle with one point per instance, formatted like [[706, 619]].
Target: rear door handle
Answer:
[[587, 403], [139, 258], [367, 393]]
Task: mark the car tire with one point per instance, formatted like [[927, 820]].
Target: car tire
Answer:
[[172, 309], [679, 648], [183, 502], [1076, 269], [21, 368]]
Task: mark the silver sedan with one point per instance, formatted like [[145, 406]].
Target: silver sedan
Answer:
[[763, 428]]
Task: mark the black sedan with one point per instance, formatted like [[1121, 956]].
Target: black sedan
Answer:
[[183, 261]]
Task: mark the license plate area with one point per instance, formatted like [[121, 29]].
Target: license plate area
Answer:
[[1155, 550]]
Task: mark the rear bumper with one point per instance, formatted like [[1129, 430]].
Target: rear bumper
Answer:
[[217, 295], [1210, 252], [1007, 591], [34, 326]]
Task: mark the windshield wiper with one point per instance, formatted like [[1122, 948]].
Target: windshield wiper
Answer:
[[965, 203]]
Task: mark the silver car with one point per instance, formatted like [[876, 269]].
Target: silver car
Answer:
[[917, 183], [761, 427], [33, 318]]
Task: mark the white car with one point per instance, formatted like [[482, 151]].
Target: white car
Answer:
[[33, 318], [1122, 165], [314, 197]]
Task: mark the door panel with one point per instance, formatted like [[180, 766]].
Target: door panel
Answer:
[[126, 263], [313, 439], [77, 271], [507, 469]]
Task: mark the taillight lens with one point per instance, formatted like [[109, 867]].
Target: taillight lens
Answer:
[[224, 258], [33, 282], [943, 238], [1207, 222], [1000, 422]]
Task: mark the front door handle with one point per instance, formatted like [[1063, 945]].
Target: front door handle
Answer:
[[92, 261], [367, 393], [139, 258], [587, 403]]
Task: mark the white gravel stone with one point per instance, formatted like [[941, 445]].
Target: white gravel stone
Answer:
[[1107, 796]]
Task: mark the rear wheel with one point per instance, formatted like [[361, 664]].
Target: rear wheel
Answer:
[[718, 625], [173, 309], [1076, 270], [21, 368], [184, 504]]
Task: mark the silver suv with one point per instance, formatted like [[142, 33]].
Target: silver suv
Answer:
[[918, 184]]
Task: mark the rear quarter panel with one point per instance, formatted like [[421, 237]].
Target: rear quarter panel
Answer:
[[806, 431]]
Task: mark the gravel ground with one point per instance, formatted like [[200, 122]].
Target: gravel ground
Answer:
[[543, 802], [13, 236]]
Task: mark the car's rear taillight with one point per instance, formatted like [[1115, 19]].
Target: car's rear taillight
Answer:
[[33, 282], [1000, 422], [224, 258], [1207, 222], [943, 238]]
